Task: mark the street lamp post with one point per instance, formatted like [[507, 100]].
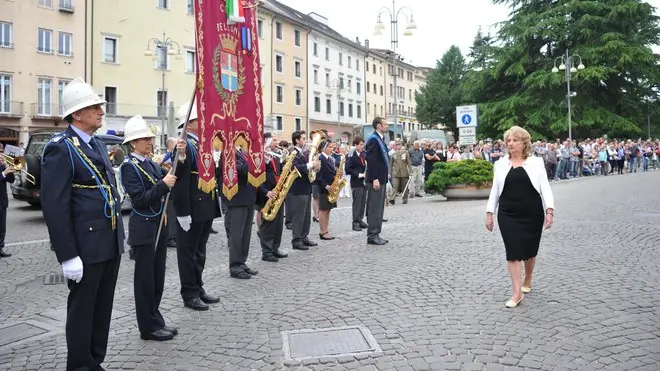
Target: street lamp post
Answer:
[[394, 40], [168, 47], [567, 64], [336, 84]]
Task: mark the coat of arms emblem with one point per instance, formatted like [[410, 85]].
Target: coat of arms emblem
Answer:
[[228, 71]]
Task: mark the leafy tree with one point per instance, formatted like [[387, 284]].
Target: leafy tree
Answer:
[[437, 100], [614, 39]]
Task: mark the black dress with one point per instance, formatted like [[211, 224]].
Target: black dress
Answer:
[[520, 216]]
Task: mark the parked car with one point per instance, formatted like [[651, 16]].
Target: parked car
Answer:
[[23, 190]]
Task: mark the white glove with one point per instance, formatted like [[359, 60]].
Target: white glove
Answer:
[[73, 269], [361, 175], [184, 222]]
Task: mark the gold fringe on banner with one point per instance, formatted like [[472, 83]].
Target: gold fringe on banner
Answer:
[[205, 186], [257, 181], [229, 192]]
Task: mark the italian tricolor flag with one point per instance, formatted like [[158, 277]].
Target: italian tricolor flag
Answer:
[[235, 11]]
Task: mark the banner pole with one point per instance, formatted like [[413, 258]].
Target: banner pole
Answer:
[[175, 162]]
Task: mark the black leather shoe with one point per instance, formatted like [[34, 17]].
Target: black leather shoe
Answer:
[[173, 330], [250, 271], [300, 247], [209, 299], [328, 238], [376, 241], [363, 224], [315, 219], [4, 254], [196, 304], [158, 335], [214, 231], [357, 228], [288, 226], [171, 243], [384, 220], [270, 258], [307, 242], [279, 254], [243, 275]]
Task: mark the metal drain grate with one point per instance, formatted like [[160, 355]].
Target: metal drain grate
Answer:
[[328, 342], [54, 279]]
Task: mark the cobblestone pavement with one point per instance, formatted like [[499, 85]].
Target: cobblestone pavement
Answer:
[[433, 298]]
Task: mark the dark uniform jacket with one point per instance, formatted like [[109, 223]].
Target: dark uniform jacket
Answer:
[[142, 181], [247, 193], [77, 214], [377, 161], [188, 199], [301, 186], [273, 171], [355, 165], [326, 174], [4, 200]]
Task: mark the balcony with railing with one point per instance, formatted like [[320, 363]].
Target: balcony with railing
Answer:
[[66, 6], [12, 109], [46, 111]]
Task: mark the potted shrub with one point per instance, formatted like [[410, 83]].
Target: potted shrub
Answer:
[[466, 179]]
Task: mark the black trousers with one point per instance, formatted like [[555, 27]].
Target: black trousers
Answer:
[[3, 226], [271, 234], [302, 218], [172, 223], [191, 258], [240, 232], [148, 284], [89, 309], [288, 209], [359, 203], [376, 209]]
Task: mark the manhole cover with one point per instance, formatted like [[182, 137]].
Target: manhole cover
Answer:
[[54, 279], [19, 332], [336, 341]]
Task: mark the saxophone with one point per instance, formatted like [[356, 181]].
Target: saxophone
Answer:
[[338, 183], [289, 174]]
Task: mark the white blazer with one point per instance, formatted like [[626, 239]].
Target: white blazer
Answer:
[[535, 169]]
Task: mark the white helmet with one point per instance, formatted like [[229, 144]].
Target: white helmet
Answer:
[[77, 95], [183, 111], [137, 128]]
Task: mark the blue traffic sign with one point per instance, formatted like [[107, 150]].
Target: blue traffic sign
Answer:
[[466, 119]]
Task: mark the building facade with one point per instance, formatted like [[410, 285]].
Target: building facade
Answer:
[[375, 68], [286, 62], [141, 58], [42, 48]]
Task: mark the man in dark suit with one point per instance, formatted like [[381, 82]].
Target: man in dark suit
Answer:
[[376, 177], [82, 212], [301, 190], [195, 211], [7, 176], [356, 167]]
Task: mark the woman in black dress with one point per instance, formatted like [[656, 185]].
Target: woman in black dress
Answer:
[[522, 191], [324, 179]]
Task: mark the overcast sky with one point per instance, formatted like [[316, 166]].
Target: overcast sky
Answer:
[[440, 23]]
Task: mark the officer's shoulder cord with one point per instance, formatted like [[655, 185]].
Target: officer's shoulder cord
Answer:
[[139, 170], [100, 182]]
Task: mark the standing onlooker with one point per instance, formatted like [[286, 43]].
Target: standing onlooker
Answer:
[[550, 160], [401, 170], [417, 160], [522, 192]]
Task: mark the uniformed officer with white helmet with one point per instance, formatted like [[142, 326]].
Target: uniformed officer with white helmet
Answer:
[[147, 184], [82, 212]]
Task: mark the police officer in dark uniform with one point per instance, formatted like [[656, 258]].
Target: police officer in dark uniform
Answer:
[[270, 232], [147, 184], [195, 211], [82, 212]]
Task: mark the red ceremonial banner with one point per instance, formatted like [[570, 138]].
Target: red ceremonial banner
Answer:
[[228, 92]]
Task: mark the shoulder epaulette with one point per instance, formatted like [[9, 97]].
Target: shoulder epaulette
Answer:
[[58, 137]]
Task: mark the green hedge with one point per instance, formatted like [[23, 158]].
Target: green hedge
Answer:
[[468, 172]]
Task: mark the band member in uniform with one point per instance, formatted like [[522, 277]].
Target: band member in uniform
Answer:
[[377, 173], [270, 232], [355, 167], [301, 190], [325, 178], [240, 215], [82, 212], [145, 184], [6, 176], [195, 211]]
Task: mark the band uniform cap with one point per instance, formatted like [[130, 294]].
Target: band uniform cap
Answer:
[[137, 128], [183, 111], [77, 95]]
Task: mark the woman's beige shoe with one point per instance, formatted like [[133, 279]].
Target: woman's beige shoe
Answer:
[[526, 289], [513, 304]]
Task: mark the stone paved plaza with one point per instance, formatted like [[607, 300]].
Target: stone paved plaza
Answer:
[[432, 299]]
